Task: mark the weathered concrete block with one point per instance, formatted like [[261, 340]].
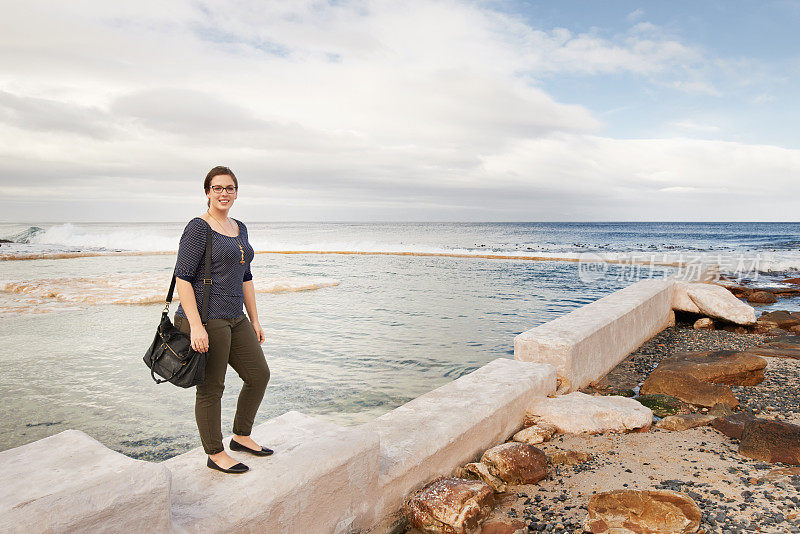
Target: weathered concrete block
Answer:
[[322, 479], [588, 342], [73, 483], [444, 428]]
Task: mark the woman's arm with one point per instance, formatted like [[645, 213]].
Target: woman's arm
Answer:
[[250, 306], [198, 332]]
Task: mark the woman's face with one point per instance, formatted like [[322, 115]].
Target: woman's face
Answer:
[[222, 192]]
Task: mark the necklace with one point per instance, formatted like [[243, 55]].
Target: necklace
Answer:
[[234, 238]]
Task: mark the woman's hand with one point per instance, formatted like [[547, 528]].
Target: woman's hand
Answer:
[[199, 338], [259, 332]]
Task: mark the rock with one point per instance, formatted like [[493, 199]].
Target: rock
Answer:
[[480, 471], [577, 413], [762, 325], [452, 505], [782, 318], [762, 297], [516, 463], [688, 389], [783, 472], [780, 347], [681, 300], [720, 410], [775, 332], [771, 441], [718, 303], [569, 458], [685, 422], [650, 511], [535, 434], [735, 328], [791, 281], [664, 405], [704, 323], [506, 526], [718, 366], [739, 291], [733, 425]]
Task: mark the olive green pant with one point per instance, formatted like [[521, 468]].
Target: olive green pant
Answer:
[[234, 342]]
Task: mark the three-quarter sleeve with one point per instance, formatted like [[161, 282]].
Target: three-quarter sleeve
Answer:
[[191, 250]]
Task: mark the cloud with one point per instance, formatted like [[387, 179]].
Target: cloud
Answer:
[[370, 109], [45, 115]]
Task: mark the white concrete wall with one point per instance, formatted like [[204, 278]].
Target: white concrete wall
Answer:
[[588, 342], [323, 478], [70, 482], [449, 426]]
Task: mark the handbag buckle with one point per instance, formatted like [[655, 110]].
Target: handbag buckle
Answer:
[[166, 308], [207, 281]]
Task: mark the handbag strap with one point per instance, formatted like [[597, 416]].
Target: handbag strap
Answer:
[[206, 280]]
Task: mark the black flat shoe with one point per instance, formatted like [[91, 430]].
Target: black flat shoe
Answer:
[[234, 469], [236, 446]]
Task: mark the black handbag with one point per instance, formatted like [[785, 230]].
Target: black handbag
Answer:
[[171, 355]]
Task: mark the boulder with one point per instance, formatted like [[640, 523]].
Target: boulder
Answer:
[[569, 457], [688, 389], [685, 421], [795, 281], [782, 318], [516, 463], [763, 326], [718, 303], [720, 410], [717, 366], [664, 405], [779, 347], [577, 412], [681, 300], [535, 434], [762, 297], [480, 471], [451, 505], [735, 328], [771, 441], [783, 472], [703, 323], [650, 511], [733, 425], [504, 526]]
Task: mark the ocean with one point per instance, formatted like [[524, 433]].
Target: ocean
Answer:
[[359, 318]]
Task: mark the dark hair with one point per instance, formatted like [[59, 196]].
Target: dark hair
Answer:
[[218, 171]]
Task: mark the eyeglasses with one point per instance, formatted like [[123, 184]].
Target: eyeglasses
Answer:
[[219, 189]]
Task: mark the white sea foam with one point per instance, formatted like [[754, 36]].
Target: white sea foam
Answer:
[[43, 295]]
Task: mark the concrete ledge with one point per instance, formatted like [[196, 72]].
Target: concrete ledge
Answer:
[[588, 342], [322, 479], [444, 428], [73, 483]]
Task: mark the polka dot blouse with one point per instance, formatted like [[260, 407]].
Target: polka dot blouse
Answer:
[[226, 300]]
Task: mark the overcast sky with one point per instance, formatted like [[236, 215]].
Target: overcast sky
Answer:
[[412, 110]]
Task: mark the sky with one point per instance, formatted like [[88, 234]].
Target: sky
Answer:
[[401, 111]]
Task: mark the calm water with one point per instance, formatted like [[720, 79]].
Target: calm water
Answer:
[[350, 336]]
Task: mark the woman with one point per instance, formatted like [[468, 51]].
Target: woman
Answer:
[[228, 337]]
